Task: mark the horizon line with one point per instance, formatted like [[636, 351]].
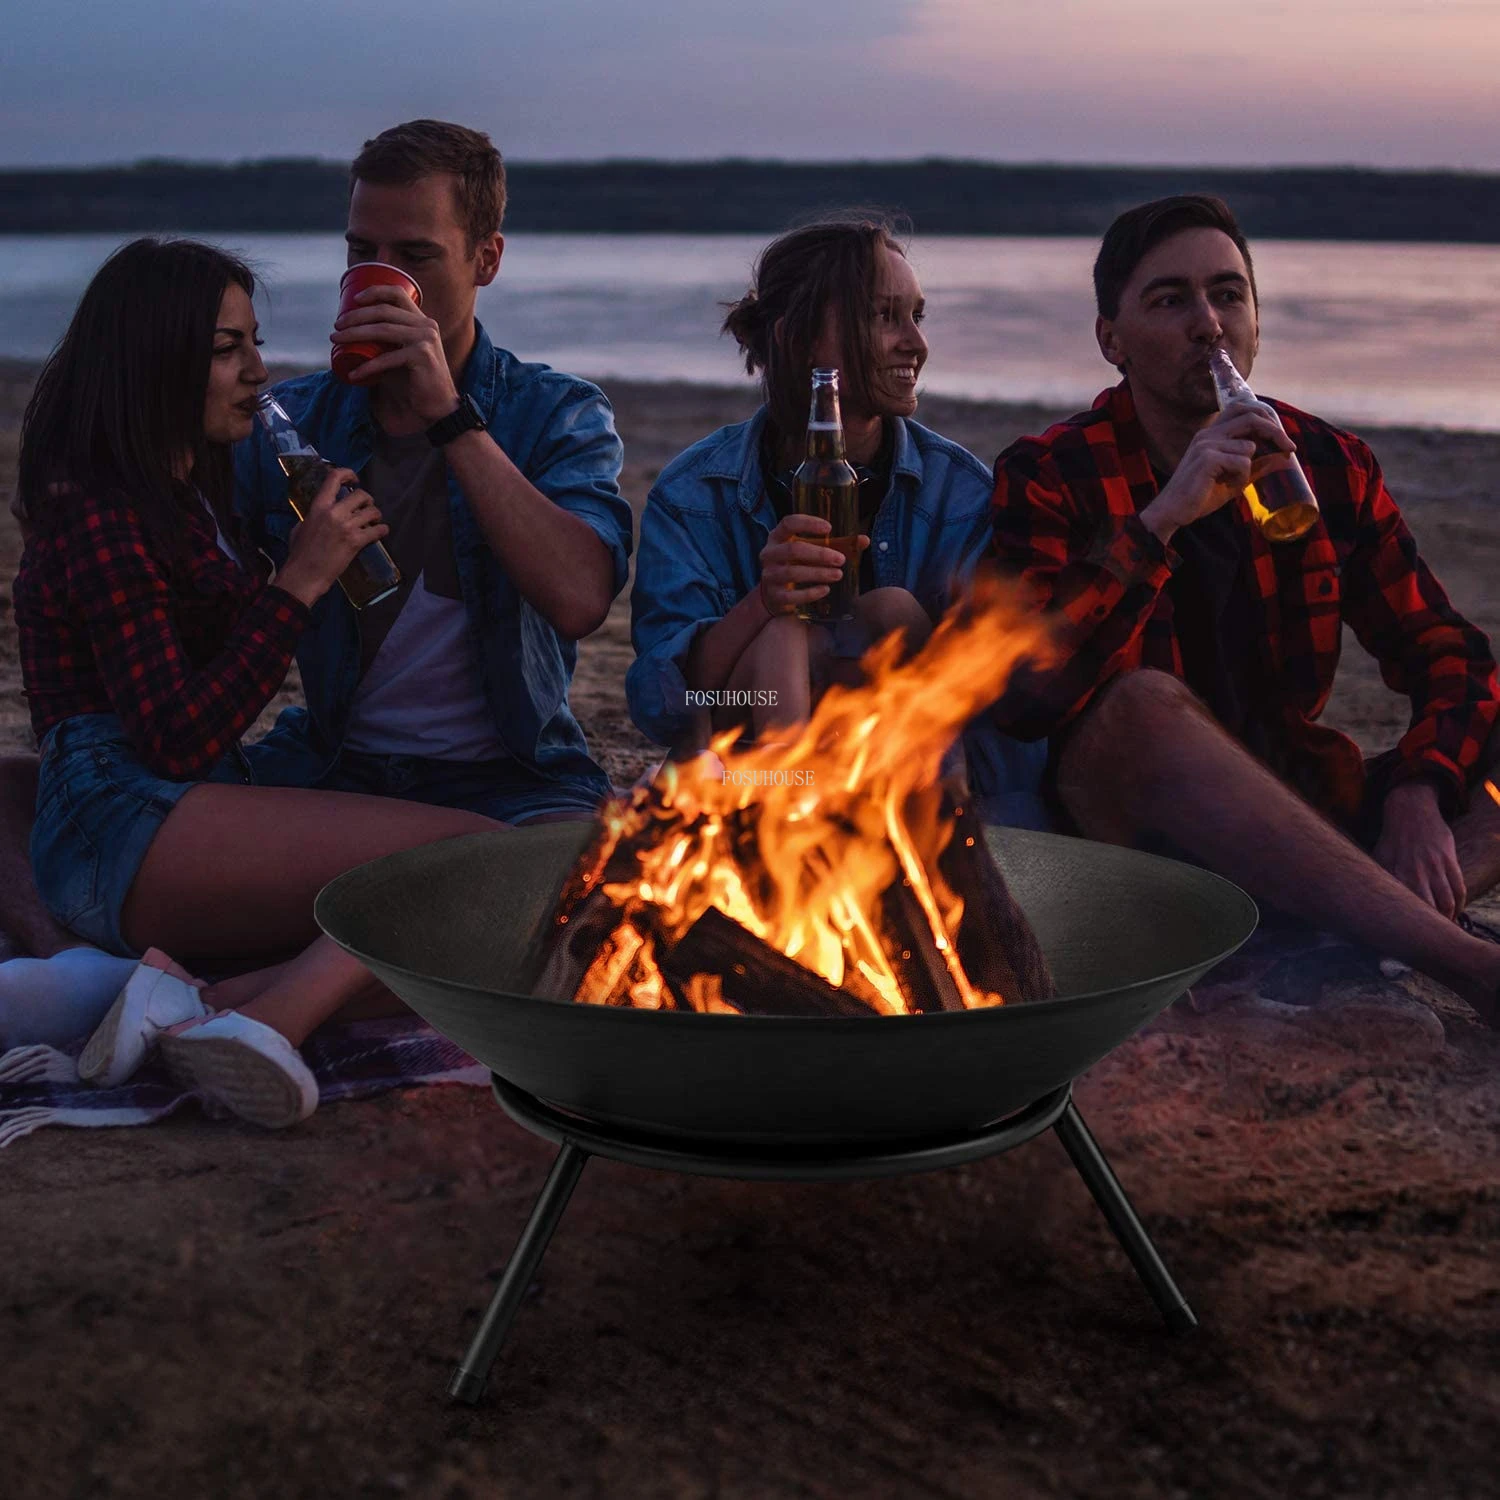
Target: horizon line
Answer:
[[926, 159]]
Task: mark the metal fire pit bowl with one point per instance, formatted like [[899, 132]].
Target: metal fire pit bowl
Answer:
[[447, 927]]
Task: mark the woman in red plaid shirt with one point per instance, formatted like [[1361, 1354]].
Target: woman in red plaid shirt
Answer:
[[1196, 657], [150, 642]]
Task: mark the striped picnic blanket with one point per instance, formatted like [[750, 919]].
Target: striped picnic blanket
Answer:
[[40, 1085]]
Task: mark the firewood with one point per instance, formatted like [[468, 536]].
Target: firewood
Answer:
[[757, 978], [569, 945], [996, 945], [921, 971]]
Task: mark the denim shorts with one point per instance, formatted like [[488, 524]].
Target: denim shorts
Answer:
[[498, 789], [97, 809]]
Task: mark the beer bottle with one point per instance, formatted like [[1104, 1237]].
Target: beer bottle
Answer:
[[372, 576], [1282, 502], [826, 485]]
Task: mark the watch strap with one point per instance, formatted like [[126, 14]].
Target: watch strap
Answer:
[[467, 417]]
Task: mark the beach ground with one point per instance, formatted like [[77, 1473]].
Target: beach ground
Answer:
[[197, 1310]]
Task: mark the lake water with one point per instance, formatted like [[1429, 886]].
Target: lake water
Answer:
[[1358, 332]]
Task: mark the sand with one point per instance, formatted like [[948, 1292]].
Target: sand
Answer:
[[196, 1310]]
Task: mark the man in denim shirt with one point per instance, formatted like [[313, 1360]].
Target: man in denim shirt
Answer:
[[722, 560], [499, 481]]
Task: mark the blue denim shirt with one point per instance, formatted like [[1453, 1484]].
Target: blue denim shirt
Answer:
[[559, 432], [707, 519]]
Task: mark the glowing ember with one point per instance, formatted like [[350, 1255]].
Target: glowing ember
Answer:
[[802, 843]]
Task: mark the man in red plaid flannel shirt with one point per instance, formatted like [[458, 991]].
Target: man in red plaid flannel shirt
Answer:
[[1195, 656]]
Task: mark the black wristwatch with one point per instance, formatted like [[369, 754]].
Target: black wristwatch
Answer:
[[468, 418]]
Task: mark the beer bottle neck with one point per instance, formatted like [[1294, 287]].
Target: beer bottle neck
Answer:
[[825, 426], [1229, 384], [284, 437]]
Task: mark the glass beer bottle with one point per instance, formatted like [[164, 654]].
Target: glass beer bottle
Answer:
[[826, 485], [372, 576], [1282, 501]]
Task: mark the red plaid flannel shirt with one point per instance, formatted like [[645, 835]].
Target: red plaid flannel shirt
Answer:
[[187, 665], [1066, 513]]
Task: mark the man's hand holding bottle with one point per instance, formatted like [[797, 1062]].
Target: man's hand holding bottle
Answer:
[[1217, 465]]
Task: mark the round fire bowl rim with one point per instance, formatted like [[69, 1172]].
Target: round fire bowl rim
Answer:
[[1249, 914]]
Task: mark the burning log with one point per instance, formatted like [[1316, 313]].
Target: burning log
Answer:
[[921, 970], [757, 978], [996, 945], [827, 876], [570, 944]]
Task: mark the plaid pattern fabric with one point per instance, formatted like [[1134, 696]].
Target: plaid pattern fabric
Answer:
[[187, 663], [1066, 517]]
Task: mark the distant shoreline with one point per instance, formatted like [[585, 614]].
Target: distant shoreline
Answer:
[[938, 196], [938, 411]]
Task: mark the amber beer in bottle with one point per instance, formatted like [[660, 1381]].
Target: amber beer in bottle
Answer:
[[372, 576], [826, 485], [1282, 501]]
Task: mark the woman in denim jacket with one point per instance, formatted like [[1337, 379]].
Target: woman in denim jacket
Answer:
[[723, 562], [151, 639]]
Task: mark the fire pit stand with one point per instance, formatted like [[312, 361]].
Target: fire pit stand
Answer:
[[580, 1139]]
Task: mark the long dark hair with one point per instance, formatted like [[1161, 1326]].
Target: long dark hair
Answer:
[[120, 401], [829, 265]]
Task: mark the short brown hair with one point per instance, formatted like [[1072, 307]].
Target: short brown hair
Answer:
[[1139, 230], [827, 265], [423, 148]]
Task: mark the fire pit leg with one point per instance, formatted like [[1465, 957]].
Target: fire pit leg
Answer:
[[468, 1380], [1134, 1240]]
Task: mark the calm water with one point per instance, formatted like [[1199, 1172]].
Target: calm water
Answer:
[[1366, 333]]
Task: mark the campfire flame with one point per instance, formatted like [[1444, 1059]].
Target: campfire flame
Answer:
[[798, 841]]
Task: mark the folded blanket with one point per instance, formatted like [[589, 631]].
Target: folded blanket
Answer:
[[40, 1085]]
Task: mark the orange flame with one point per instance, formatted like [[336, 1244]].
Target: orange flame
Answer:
[[798, 841]]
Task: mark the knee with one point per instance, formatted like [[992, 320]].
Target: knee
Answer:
[[1141, 701], [781, 631], [886, 610], [781, 638], [1110, 743]]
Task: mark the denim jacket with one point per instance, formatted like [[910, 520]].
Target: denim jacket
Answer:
[[560, 432], [707, 519]]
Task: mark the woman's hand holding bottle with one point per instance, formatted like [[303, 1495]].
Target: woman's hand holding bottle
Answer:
[[340, 522]]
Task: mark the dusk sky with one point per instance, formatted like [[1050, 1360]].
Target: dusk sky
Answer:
[[1376, 82]]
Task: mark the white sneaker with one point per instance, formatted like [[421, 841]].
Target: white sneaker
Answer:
[[246, 1066], [150, 1002]]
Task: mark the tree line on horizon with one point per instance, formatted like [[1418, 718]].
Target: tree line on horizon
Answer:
[[938, 196]]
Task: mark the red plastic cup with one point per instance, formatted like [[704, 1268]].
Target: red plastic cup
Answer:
[[356, 279]]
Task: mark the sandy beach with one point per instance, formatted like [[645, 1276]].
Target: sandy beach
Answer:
[[195, 1309]]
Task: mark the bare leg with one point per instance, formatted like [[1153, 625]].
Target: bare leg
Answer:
[[786, 657], [235, 870], [304, 993], [880, 613], [23, 916], [1476, 836], [884, 610], [776, 663], [1146, 757], [238, 991]]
